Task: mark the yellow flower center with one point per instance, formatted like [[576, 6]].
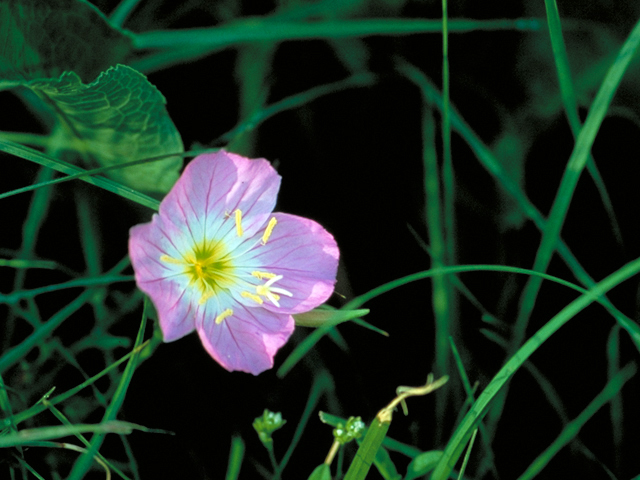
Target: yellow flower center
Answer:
[[208, 268]]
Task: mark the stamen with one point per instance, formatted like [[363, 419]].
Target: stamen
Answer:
[[273, 280], [168, 259], [206, 296], [238, 214], [227, 313], [274, 299], [263, 275], [270, 292], [253, 297], [269, 230]]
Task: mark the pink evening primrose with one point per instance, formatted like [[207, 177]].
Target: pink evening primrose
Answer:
[[217, 260]]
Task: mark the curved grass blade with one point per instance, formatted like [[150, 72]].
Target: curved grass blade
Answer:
[[265, 29], [368, 451], [14, 354], [371, 294], [322, 384], [575, 165], [493, 166], [65, 421], [15, 297], [468, 454], [26, 436], [571, 106], [83, 464], [325, 319], [39, 407], [122, 11], [174, 47], [617, 407], [61, 166], [463, 433], [363, 79]]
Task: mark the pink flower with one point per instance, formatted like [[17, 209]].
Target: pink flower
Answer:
[[217, 260]]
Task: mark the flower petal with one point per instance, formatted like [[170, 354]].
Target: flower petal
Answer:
[[166, 286], [212, 187], [306, 256], [247, 340]]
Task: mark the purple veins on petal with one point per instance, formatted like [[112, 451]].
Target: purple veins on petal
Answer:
[[305, 255]]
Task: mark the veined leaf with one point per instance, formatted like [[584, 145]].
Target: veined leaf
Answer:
[[55, 48], [44, 38], [118, 118]]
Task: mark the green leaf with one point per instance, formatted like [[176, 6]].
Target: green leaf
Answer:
[[43, 38], [321, 472], [325, 315], [235, 458], [118, 118], [368, 450], [423, 464], [24, 437]]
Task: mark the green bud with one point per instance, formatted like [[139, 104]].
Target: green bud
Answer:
[[353, 429], [268, 423]]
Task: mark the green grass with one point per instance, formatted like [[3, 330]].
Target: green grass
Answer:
[[60, 309]]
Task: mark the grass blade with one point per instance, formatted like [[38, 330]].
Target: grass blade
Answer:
[[570, 430], [69, 169], [461, 436], [568, 95], [83, 464], [236, 454], [575, 165]]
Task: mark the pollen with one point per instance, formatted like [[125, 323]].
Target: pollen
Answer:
[[269, 230], [206, 296], [238, 214], [252, 296], [226, 313], [168, 259], [208, 268], [272, 293], [263, 275]]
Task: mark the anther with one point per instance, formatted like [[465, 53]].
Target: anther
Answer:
[[238, 214], [206, 296], [270, 292], [269, 230], [263, 275], [253, 297], [227, 313], [168, 259]]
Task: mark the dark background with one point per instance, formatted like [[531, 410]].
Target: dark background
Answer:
[[352, 161]]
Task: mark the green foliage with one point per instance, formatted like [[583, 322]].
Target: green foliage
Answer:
[[326, 315], [235, 458], [78, 72], [268, 423], [423, 464], [67, 53], [41, 39], [31, 436], [321, 472], [118, 118], [352, 430]]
